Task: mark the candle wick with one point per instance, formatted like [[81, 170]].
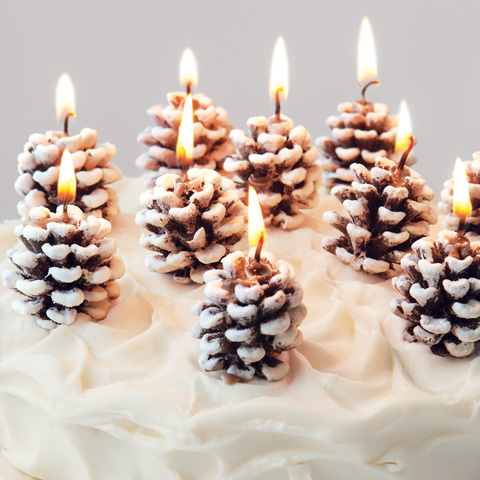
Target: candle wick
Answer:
[[181, 163], [405, 154], [189, 88], [66, 218], [277, 103], [65, 123], [462, 227], [364, 89], [258, 250]]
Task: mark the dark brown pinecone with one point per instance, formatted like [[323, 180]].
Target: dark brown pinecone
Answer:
[[67, 269], [361, 133], [384, 217], [472, 169], [277, 160], [39, 167], [441, 290], [191, 225], [211, 136], [249, 319]]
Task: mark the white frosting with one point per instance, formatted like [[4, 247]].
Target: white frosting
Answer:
[[125, 398]]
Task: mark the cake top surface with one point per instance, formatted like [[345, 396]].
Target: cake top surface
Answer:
[[353, 375]]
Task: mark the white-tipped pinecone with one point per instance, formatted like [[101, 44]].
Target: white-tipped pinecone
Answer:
[[383, 220], [191, 225], [211, 136], [67, 269], [360, 134], [39, 167], [277, 160], [472, 169], [248, 320], [441, 290]]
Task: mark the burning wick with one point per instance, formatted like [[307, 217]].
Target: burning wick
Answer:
[[405, 154], [65, 123], [181, 159], [364, 89], [277, 103], [258, 250], [189, 88]]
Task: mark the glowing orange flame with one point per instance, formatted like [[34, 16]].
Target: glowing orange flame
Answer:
[[67, 182], [256, 226], [188, 68], [279, 70], [462, 207], [366, 54], [185, 134], [65, 97], [404, 129]]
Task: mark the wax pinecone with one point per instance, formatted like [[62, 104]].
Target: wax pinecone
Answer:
[[66, 271], [382, 220], [211, 136], [39, 167], [246, 324], [441, 290], [277, 159], [192, 225], [360, 134], [472, 169]]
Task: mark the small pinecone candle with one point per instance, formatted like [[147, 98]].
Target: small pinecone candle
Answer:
[[360, 134], [472, 169], [249, 318], [39, 166], [277, 159], [211, 136], [441, 290], [385, 215], [191, 224], [67, 270]]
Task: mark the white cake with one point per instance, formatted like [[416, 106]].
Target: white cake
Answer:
[[126, 399]]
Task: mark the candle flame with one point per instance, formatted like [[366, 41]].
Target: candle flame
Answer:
[[279, 70], [185, 134], [462, 206], [366, 54], [67, 182], [188, 68], [65, 97], [256, 226], [404, 129]]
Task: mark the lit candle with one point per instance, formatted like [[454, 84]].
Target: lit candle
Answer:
[[279, 75], [67, 183], [462, 207], [404, 143], [65, 101], [256, 232], [185, 138]]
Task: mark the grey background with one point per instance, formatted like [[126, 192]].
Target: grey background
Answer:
[[124, 57]]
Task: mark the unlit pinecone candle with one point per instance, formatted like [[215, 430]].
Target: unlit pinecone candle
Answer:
[[39, 163], [364, 130], [441, 286], [252, 312], [277, 158]]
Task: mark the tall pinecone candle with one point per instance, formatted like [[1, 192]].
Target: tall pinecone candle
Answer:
[[441, 286], [472, 169], [251, 316], [364, 130], [39, 166], [388, 209], [68, 269], [277, 159], [211, 130], [193, 220]]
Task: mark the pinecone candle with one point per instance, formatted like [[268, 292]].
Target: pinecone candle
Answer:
[[363, 131], [446, 205], [387, 210], [193, 220], [39, 166], [250, 317], [441, 285], [211, 130], [277, 159]]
